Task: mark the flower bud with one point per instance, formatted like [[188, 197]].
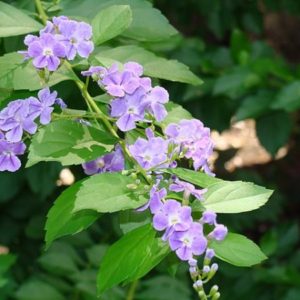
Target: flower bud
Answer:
[[216, 296], [213, 290], [131, 186], [202, 295], [198, 285], [193, 262], [219, 233], [206, 269], [208, 217]]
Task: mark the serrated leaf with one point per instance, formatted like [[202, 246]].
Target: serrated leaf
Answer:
[[15, 22], [154, 66], [237, 250], [130, 258], [62, 221], [235, 197], [110, 22], [109, 192], [69, 142]]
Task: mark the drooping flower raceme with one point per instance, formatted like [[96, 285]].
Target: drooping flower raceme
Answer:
[[18, 117], [61, 38], [193, 142], [134, 98]]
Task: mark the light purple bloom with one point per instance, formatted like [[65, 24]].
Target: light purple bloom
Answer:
[[209, 217], [119, 83], [172, 217], [96, 72], [219, 233], [111, 162], [188, 243], [61, 103], [187, 189], [155, 202], [8, 155], [43, 106], [15, 118], [129, 110], [46, 52], [150, 153], [76, 38], [193, 140], [209, 254], [156, 98]]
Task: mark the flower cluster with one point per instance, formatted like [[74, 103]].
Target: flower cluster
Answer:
[[61, 38], [192, 140], [184, 235], [111, 162], [134, 98], [20, 117]]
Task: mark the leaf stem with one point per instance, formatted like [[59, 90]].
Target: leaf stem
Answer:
[[132, 290], [42, 14]]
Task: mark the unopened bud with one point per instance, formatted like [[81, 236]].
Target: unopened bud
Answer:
[[216, 296], [137, 181], [213, 290], [206, 269], [193, 262], [125, 172], [133, 175], [131, 186], [198, 285], [202, 295]]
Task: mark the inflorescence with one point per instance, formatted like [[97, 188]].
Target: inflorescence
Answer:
[[135, 104]]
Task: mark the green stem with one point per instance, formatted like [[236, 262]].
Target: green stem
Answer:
[[132, 290], [42, 14]]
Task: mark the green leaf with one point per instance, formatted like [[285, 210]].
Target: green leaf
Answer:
[[34, 288], [19, 75], [199, 178], [225, 196], [237, 250], [6, 261], [14, 22], [148, 23], [175, 113], [69, 142], [274, 130], [130, 258], [288, 98], [154, 66], [239, 45], [62, 221], [235, 197], [255, 106], [110, 22], [109, 192]]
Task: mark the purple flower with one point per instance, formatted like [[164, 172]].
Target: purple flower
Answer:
[[193, 141], [43, 105], [46, 52], [187, 189], [112, 162], [8, 155], [150, 153], [96, 72], [128, 110], [119, 83], [61, 103], [188, 243], [209, 254], [172, 217], [209, 217], [155, 202], [15, 118], [219, 233], [156, 98], [76, 38]]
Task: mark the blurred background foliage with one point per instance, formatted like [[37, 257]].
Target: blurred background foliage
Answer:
[[246, 52]]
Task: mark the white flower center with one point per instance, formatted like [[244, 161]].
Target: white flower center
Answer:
[[48, 52]]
